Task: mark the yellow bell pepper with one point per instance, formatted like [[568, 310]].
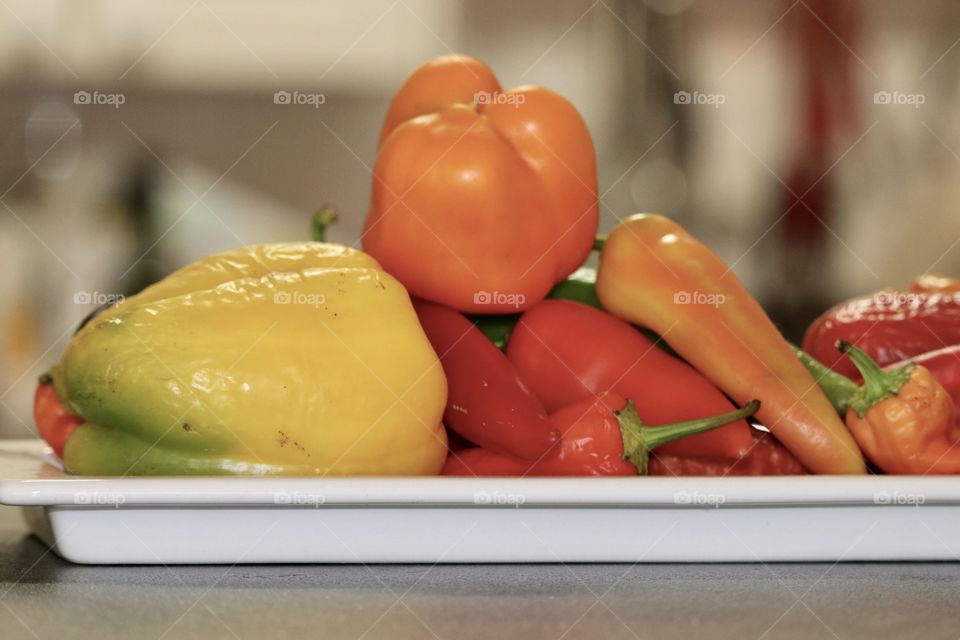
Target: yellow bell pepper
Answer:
[[294, 359]]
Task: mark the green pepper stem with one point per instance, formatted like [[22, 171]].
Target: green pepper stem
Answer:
[[323, 218], [838, 388], [639, 439], [877, 383], [598, 242]]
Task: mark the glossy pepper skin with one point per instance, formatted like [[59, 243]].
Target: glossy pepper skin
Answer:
[[579, 287], [934, 283], [889, 325], [655, 274], [766, 457], [601, 436], [566, 351], [54, 422], [273, 359], [488, 403], [903, 419], [482, 199]]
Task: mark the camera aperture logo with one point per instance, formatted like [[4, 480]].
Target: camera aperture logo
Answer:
[[99, 498], [497, 97], [699, 298], [899, 98], [898, 299], [498, 498], [99, 98], [899, 498], [299, 499], [299, 98], [699, 498], [699, 98], [98, 298], [299, 297], [499, 298]]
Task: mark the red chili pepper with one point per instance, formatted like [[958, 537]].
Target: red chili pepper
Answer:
[[54, 422], [767, 457], [602, 436], [487, 402], [566, 351], [889, 325]]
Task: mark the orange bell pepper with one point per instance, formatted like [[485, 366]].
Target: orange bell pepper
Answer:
[[482, 199], [655, 274]]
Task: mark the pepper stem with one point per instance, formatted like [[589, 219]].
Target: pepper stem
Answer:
[[877, 383], [639, 439], [598, 242], [323, 218], [838, 388]]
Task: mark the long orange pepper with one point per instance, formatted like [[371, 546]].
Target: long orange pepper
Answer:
[[655, 274]]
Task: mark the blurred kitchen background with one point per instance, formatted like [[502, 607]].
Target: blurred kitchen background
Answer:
[[813, 143]]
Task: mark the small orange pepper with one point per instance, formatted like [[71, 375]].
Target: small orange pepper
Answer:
[[903, 419]]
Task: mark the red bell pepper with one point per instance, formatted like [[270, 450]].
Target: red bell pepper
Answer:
[[54, 422], [566, 351], [602, 436], [487, 403], [889, 325], [934, 283]]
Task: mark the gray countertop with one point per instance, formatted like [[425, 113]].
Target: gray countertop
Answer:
[[42, 596]]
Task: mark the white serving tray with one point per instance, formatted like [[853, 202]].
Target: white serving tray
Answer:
[[431, 520]]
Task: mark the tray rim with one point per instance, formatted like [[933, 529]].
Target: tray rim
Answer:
[[424, 492]]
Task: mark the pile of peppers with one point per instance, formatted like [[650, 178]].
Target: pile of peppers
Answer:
[[468, 338]]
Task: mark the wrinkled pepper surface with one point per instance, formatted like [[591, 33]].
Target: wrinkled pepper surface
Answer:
[[566, 351], [889, 325], [297, 359], [655, 274], [482, 199], [903, 419], [600, 436]]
